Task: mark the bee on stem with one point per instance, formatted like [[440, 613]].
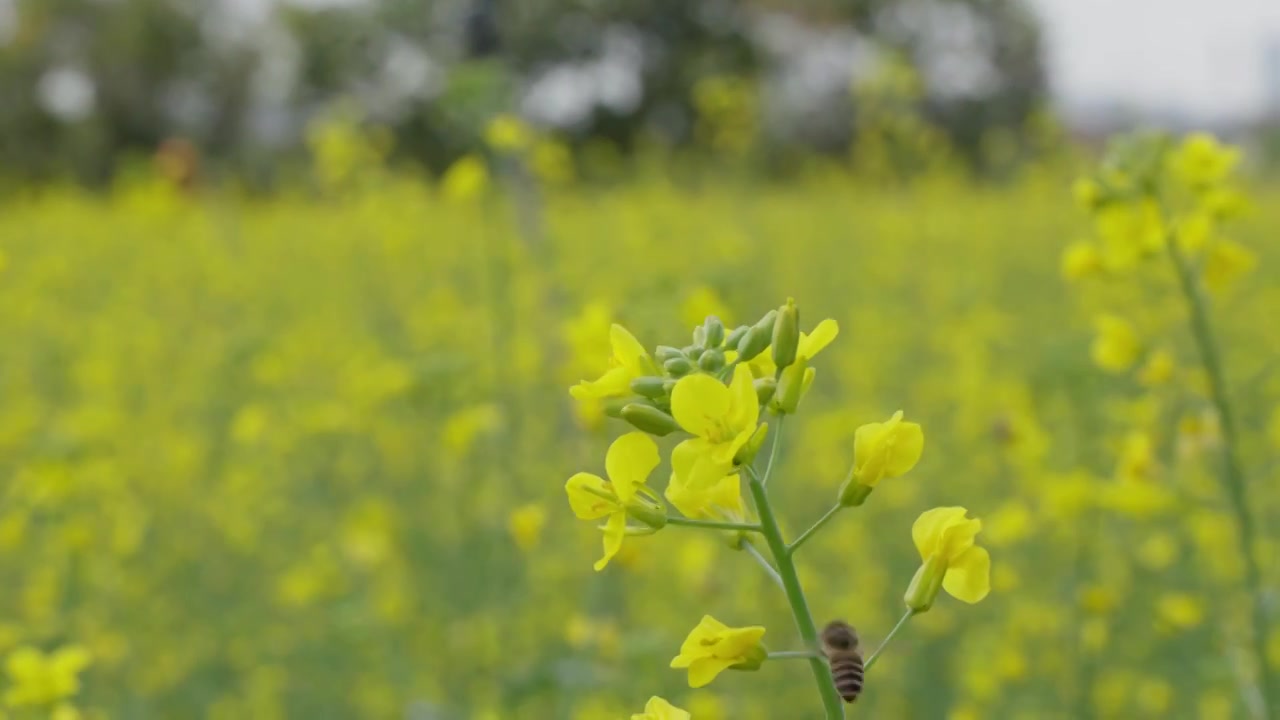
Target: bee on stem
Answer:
[[840, 646]]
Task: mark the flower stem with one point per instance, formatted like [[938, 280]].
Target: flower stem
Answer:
[[1232, 471], [875, 655], [795, 596], [764, 563], [793, 655], [795, 545], [773, 450], [713, 524]]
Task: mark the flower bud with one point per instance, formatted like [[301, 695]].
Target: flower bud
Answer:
[[713, 331], [786, 334], [678, 366], [650, 386], [711, 360], [853, 493], [765, 388], [613, 406], [765, 324], [665, 352], [735, 337], [652, 514], [752, 344], [693, 352], [700, 337], [748, 451], [753, 659], [791, 387], [649, 419], [668, 385], [924, 587]]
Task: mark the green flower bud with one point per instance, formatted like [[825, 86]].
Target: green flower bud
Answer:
[[786, 334], [754, 659], [765, 388], [650, 386], [693, 352], [735, 337], [668, 385], [791, 386], [714, 332], [665, 352], [700, 337], [649, 419], [711, 360], [613, 406], [651, 513], [678, 366], [853, 493], [765, 323], [747, 452], [752, 344], [924, 587]]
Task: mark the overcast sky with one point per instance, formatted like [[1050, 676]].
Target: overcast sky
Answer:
[[1204, 57]]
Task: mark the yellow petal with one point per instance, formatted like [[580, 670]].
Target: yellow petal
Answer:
[[703, 671], [71, 659], [25, 662], [927, 531], [629, 461], [700, 403], [814, 342], [745, 403], [614, 383], [968, 576], [659, 709], [585, 491], [627, 351], [614, 530], [908, 445]]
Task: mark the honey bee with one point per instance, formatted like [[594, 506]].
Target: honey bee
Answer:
[[840, 646]]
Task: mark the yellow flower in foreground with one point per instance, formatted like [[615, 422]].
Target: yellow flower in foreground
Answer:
[[722, 419], [1115, 346], [659, 709], [945, 539], [629, 361], [713, 647], [886, 449], [810, 344], [38, 679], [628, 463], [702, 488]]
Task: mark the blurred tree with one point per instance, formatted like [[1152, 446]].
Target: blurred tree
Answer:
[[87, 82]]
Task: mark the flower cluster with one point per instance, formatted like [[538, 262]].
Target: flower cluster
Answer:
[[714, 395]]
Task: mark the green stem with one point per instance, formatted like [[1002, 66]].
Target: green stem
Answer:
[[876, 655], [713, 524], [764, 563], [1232, 470], [795, 597], [793, 655], [773, 449], [791, 549]]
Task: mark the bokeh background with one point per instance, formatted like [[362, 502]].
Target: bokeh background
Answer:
[[291, 295]]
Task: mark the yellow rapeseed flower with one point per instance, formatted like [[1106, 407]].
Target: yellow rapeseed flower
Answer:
[[629, 361], [1225, 262], [659, 709], [713, 647], [1201, 162], [1115, 346], [628, 463], [722, 419], [507, 133], [1081, 259], [945, 539], [38, 679], [702, 488], [466, 179], [881, 450]]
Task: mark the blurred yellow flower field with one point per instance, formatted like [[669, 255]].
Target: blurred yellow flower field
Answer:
[[305, 456]]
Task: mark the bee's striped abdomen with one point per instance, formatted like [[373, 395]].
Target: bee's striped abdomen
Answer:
[[846, 671]]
